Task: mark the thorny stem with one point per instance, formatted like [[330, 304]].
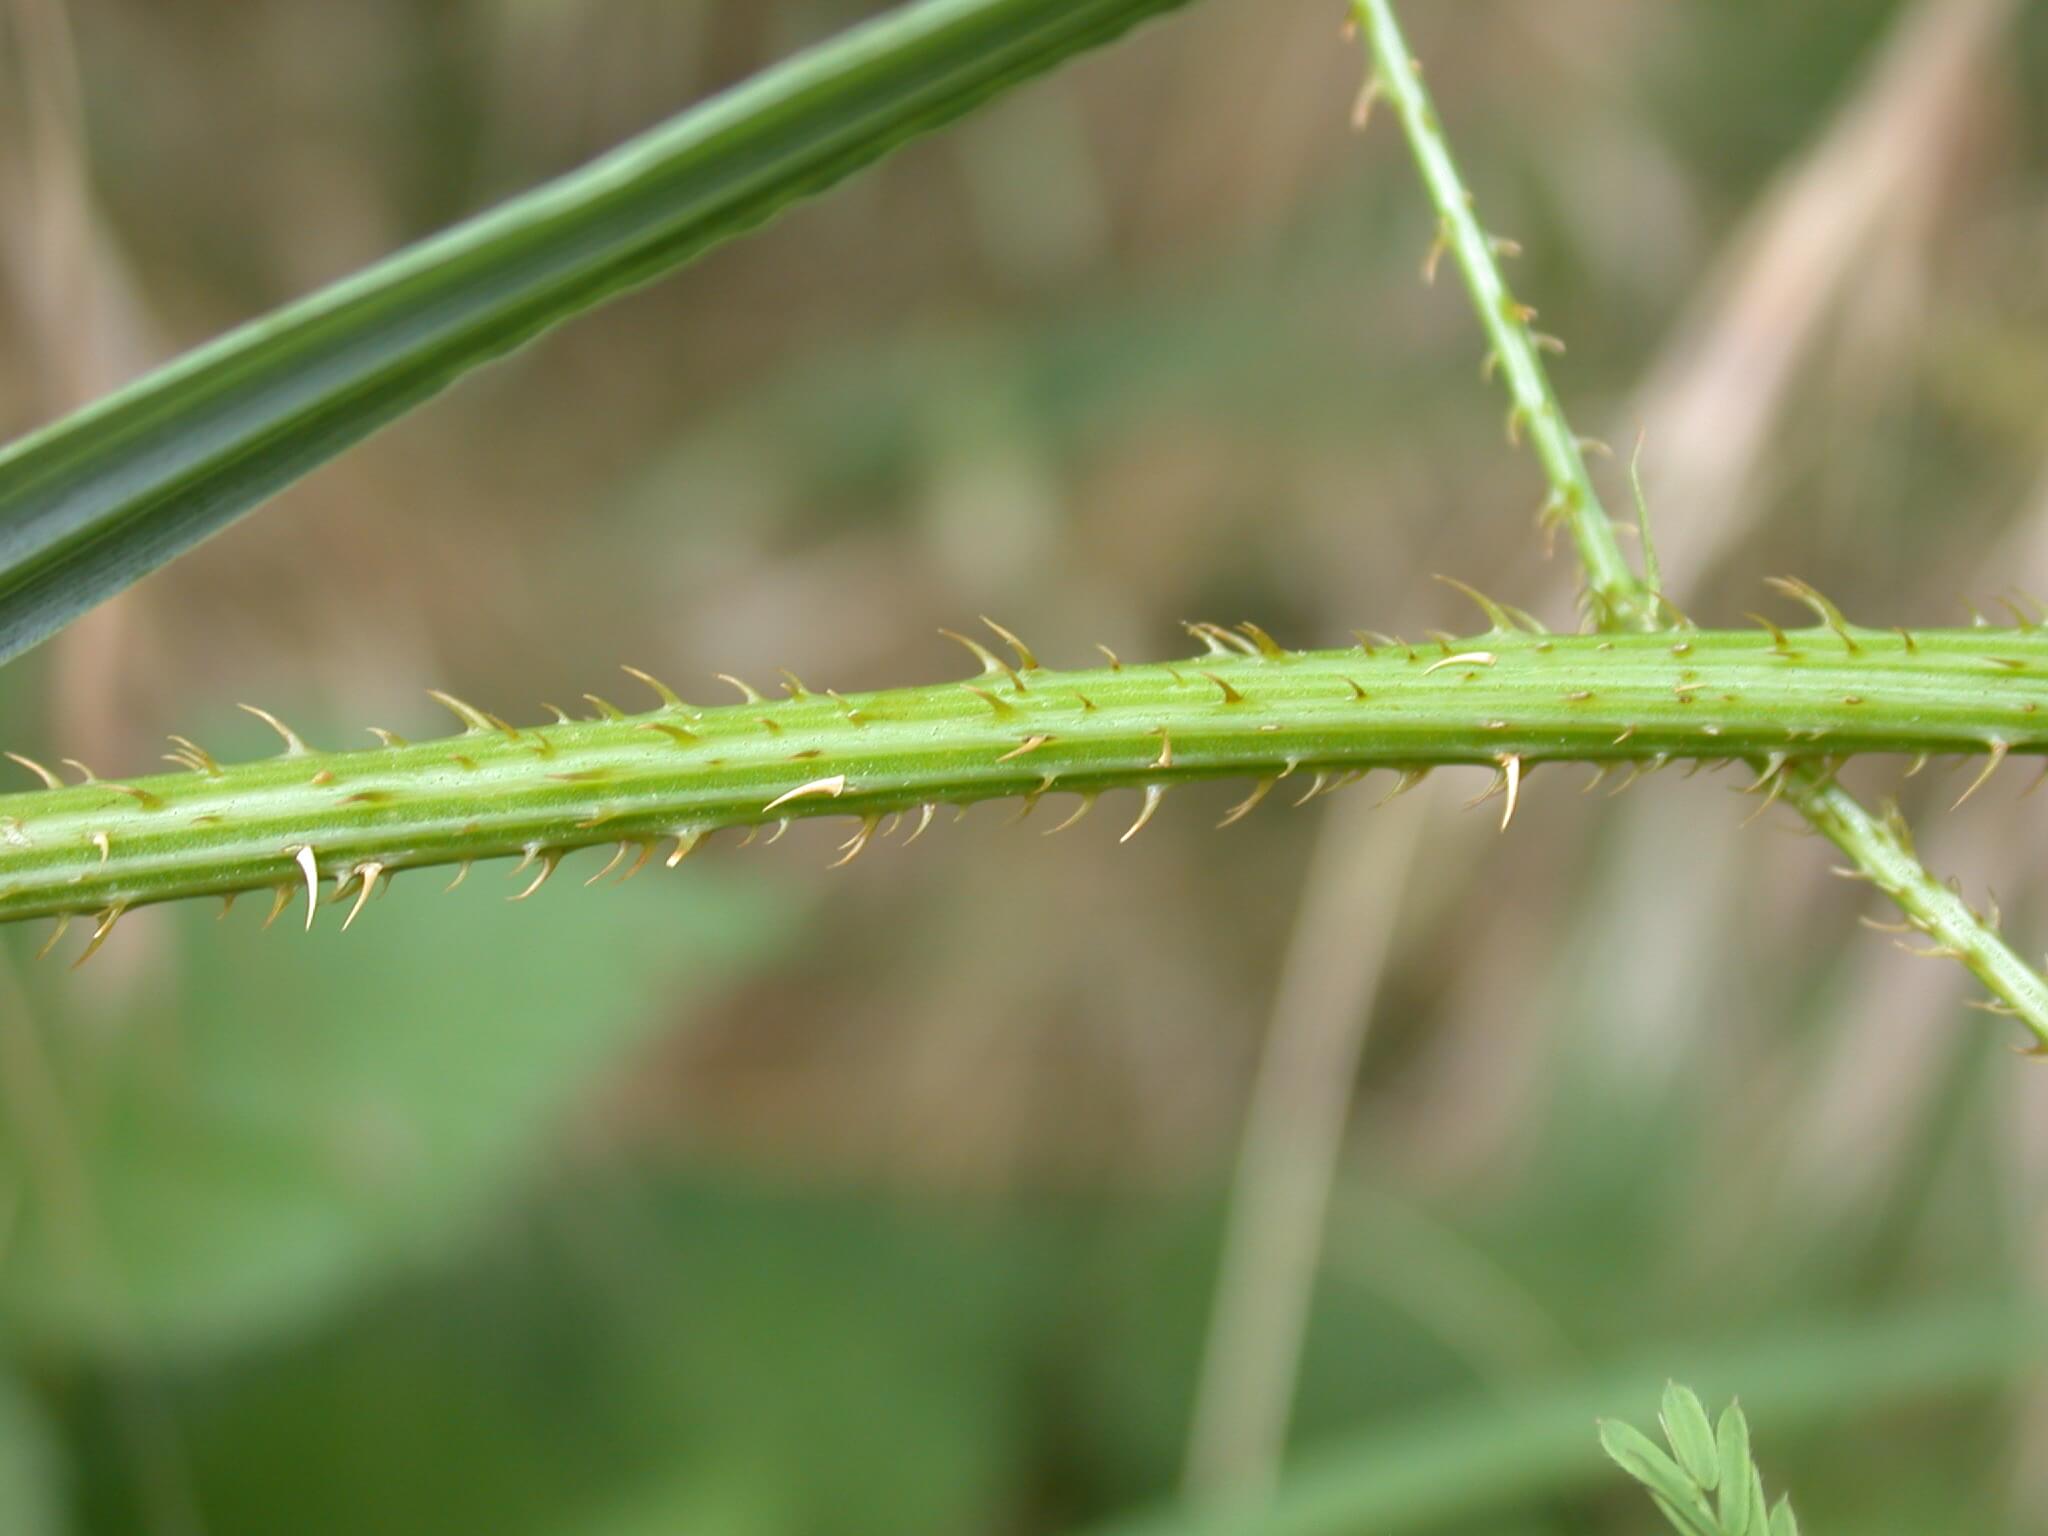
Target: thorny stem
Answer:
[[1509, 698], [1617, 596], [1880, 849]]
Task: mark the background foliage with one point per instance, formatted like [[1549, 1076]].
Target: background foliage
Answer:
[[754, 1199]]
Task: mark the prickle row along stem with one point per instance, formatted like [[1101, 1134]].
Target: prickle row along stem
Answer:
[[1510, 698]]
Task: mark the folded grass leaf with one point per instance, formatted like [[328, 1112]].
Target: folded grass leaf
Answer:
[[97, 501]]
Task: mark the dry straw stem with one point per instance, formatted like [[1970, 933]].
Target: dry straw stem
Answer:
[[1880, 849]]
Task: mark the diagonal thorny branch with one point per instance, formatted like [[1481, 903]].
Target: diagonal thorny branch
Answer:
[[1879, 848]]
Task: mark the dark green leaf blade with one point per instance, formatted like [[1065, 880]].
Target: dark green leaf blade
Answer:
[[97, 501]]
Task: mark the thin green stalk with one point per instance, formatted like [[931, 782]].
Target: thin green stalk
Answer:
[[1616, 595], [1507, 698], [1879, 850]]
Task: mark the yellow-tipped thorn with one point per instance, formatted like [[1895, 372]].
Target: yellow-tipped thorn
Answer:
[[925, 813], [1154, 793], [1776, 777], [1248, 804], [1002, 707], [202, 759], [368, 875], [1088, 797], [548, 861], [1433, 258], [1512, 766], [1998, 751], [461, 875], [1805, 592], [673, 732], [474, 721], [1230, 694], [747, 690], [99, 935], [280, 899], [1025, 658], [1362, 104], [990, 662], [832, 788], [1029, 745], [1268, 648], [1462, 659], [854, 845], [686, 844], [1409, 778], [50, 780], [304, 855], [1497, 616], [668, 696], [63, 927], [294, 745], [617, 859]]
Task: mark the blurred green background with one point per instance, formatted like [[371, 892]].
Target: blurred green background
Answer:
[[753, 1199]]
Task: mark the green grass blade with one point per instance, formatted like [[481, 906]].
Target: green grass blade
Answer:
[[99, 500], [1430, 1468]]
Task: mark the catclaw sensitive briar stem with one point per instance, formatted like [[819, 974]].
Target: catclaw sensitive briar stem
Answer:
[[658, 783], [1879, 849], [1617, 597]]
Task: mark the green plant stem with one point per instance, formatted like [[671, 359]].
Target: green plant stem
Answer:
[[99, 499], [1616, 595], [1619, 599], [1881, 852], [1505, 698]]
